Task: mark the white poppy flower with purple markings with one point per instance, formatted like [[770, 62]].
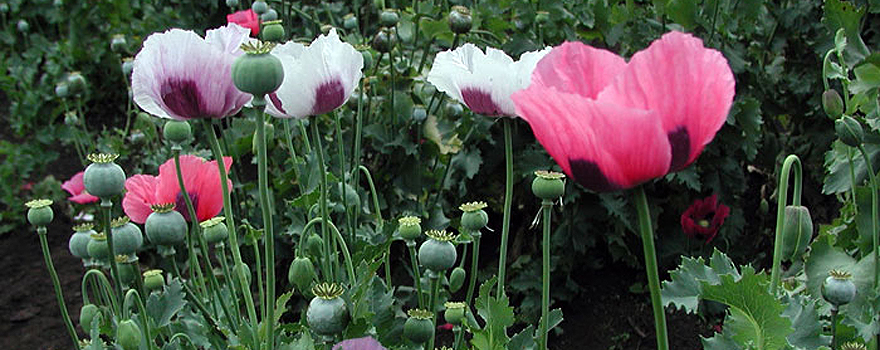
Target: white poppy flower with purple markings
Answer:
[[321, 77], [481, 80], [178, 75]]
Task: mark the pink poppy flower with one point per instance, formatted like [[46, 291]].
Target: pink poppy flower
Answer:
[[704, 218], [77, 190], [612, 125], [325, 72], [202, 181], [483, 81], [245, 18], [178, 75]]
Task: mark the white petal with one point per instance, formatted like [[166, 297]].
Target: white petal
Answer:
[[228, 38]]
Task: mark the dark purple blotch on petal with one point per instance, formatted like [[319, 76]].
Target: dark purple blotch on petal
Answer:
[[180, 204], [182, 97], [328, 96], [588, 174], [681, 148], [480, 102], [273, 97]]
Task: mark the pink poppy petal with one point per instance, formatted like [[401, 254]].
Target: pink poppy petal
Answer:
[[74, 186], [689, 86], [168, 189], [140, 193], [602, 146], [210, 189], [579, 69], [246, 19], [83, 198]]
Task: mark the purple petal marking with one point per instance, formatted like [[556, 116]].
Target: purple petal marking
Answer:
[[183, 98], [328, 96], [365, 343], [681, 148], [276, 102], [180, 204], [480, 102], [588, 174]]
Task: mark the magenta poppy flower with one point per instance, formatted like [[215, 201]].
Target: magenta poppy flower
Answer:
[[323, 75], [612, 125], [483, 81], [77, 190], [245, 18], [178, 75], [365, 343], [202, 181], [704, 218]]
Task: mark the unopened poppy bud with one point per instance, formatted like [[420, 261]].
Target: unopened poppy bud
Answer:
[[419, 113], [165, 226], [542, 17], [548, 185], [454, 313], [127, 65], [40, 212], [260, 7], [349, 22], [456, 279], [23, 26], [87, 313], [62, 90], [117, 43], [327, 314], [269, 15], [419, 327], [438, 253], [838, 288], [460, 20], [384, 40], [314, 245], [409, 227], [231, 3], [388, 18], [301, 273], [832, 103], [154, 280], [128, 335], [79, 241], [850, 131], [243, 271], [76, 82], [273, 30], [103, 178], [474, 218], [71, 119], [98, 247], [215, 230], [797, 230], [257, 72]]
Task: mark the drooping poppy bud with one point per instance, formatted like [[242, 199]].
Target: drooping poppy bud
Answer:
[[850, 131], [86, 314], [128, 335], [456, 279], [797, 230], [832, 103], [103, 178], [301, 273], [419, 327]]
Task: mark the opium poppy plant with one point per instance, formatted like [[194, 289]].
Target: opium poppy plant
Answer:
[[178, 75], [202, 181], [704, 218], [77, 190], [612, 125]]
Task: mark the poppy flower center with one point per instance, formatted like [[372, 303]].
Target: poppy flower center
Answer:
[[328, 96], [480, 102], [182, 97], [180, 204], [703, 223], [681, 148]]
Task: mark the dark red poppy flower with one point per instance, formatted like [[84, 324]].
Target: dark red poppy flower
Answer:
[[246, 18], [704, 218]]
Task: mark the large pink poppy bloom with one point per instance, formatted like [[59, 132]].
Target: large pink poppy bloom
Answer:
[[612, 125], [77, 190], [324, 74], [202, 181], [178, 75], [246, 18]]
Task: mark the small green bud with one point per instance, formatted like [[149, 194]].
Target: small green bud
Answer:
[[460, 20], [40, 212], [419, 113], [456, 279], [314, 245], [388, 18], [797, 229], [86, 314], [850, 131], [23, 26], [128, 335], [548, 185], [301, 273], [260, 7], [76, 82], [117, 43], [832, 103], [177, 131], [71, 119], [384, 40], [154, 280], [273, 30], [350, 22]]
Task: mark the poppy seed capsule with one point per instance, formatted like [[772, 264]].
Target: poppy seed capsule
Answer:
[[260, 7], [61, 90], [22, 26], [273, 30], [79, 241], [231, 3], [384, 40], [850, 131], [832, 104], [165, 226], [327, 314], [177, 131], [128, 335], [548, 185], [349, 22], [215, 230], [103, 178], [127, 65], [410, 228], [388, 18], [127, 237], [98, 247], [838, 288], [76, 82], [153, 280], [269, 15], [474, 218], [419, 327], [86, 314], [454, 313], [117, 43], [127, 270], [40, 212], [257, 72], [438, 253], [456, 279], [460, 20]]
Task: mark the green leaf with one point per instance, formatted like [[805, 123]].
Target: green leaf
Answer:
[[863, 218], [683, 12], [805, 321], [867, 78], [686, 286], [524, 340], [721, 341], [843, 14], [281, 306], [446, 143], [747, 114], [837, 166], [161, 307], [755, 315]]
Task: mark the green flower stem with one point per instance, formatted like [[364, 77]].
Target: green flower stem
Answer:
[[418, 274], [59, 295], [379, 221], [647, 233], [782, 198], [342, 171], [328, 267], [833, 327], [230, 227], [305, 136], [259, 104], [106, 289], [345, 252], [194, 225], [184, 336], [358, 131], [134, 295], [547, 208], [508, 201], [873, 178], [387, 264], [107, 205], [220, 253], [472, 283], [189, 295], [293, 156], [435, 290], [258, 260], [852, 174]]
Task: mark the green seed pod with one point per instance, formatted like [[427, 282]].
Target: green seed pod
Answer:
[[454, 313], [460, 21], [327, 314], [269, 15], [4, 8], [117, 43], [456, 279], [410, 228], [257, 72], [438, 254], [301, 273], [388, 18], [177, 131], [40, 212], [98, 247], [474, 218], [154, 280], [86, 314], [243, 270], [165, 226], [349, 22], [232, 3], [23, 26], [215, 230], [838, 288], [384, 40], [61, 90], [71, 119], [548, 185], [79, 241], [76, 82], [453, 109], [314, 245], [419, 327], [853, 346], [127, 237], [797, 229], [832, 104], [128, 335], [103, 178], [260, 7], [273, 30], [379, 4], [368, 60], [850, 131]]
